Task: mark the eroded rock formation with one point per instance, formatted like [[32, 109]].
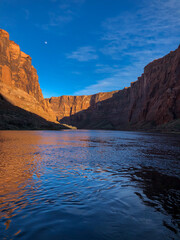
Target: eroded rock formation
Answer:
[[66, 106], [153, 100], [19, 86]]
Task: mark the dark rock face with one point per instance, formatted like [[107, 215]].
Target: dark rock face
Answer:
[[153, 100], [20, 87], [13, 117], [66, 106]]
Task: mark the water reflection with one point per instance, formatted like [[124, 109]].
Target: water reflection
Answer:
[[160, 191], [16, 173], [89, 185]]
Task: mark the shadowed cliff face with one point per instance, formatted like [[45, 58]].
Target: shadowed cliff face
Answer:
[[66, 106], [13, 117], [19, 83], [153, 100]]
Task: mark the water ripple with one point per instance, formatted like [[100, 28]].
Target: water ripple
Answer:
[[89, 185]]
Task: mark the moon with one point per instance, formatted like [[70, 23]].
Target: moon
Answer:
[[45, 42]]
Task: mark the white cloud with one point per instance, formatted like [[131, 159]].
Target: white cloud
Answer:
[[64, 6], [65, 12], [27, 14], [95, 88], [105, 68], [76, 73], [155, 25], [84, 54], [120, 78], [135, 39]]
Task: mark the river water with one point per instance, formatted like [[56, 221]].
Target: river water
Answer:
[[89, 185]]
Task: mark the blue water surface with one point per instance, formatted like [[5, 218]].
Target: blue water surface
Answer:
[[89, 185]]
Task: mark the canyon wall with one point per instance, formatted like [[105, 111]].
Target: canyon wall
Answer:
[[66, 106], [153, 100], [16, 69], [19, 87]]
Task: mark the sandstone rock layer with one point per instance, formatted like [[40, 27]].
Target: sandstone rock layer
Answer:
[[66, 106], [19, 84], [153, 100]]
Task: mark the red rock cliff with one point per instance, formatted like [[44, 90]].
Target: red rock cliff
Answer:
[[154, 99], [19, 83], [16, 69], [66, 106]]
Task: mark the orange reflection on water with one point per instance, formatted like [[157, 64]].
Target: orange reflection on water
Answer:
[[18, 161]]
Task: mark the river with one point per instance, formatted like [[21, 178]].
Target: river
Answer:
[[89, 185]]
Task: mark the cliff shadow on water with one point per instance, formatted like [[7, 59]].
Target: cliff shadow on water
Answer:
[[15, 118]]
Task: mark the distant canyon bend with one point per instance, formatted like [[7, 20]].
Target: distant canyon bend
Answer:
[[152, 103]]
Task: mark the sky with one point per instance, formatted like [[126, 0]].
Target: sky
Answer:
[[87, 46]]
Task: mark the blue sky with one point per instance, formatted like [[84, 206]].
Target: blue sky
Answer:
[[88, 46]]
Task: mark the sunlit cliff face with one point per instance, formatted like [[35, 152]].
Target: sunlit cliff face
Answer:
[[19, 82], [16, 68], [150, 101]]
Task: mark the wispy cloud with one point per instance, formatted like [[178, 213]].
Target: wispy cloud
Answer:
[[95, 88], [84, 54], [155, 25], [76, 73], [105, 68], [56, 20], [119, 78], [136, 38], [26, 13], [64, 13]]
